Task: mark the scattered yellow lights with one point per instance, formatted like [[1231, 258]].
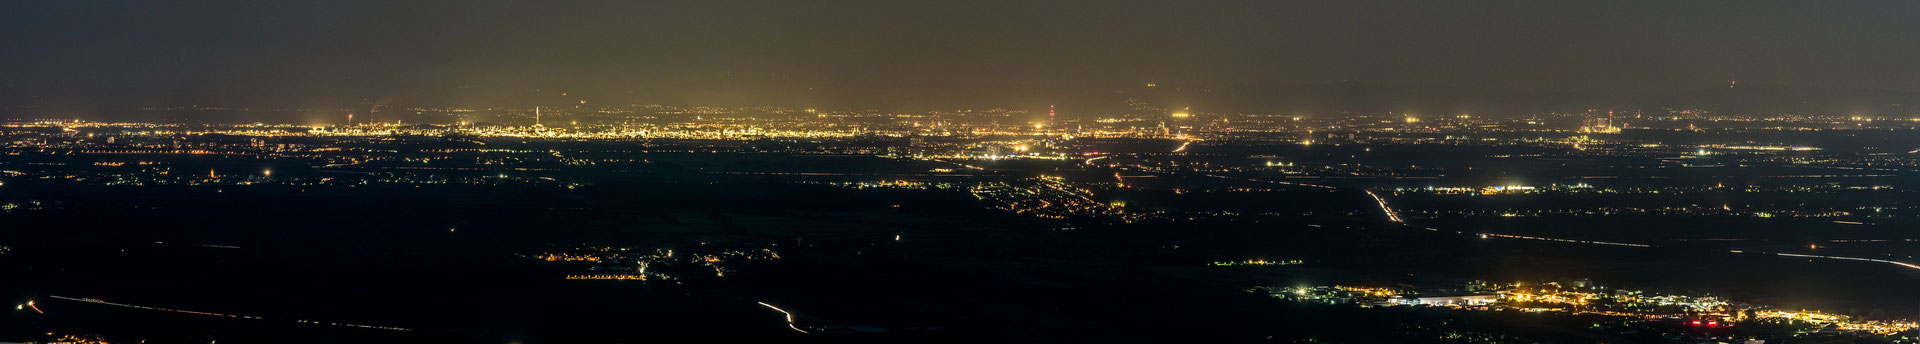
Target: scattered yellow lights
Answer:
[[1411, 119], [1259, 262]]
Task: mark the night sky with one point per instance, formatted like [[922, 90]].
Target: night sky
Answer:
[[854, 53]]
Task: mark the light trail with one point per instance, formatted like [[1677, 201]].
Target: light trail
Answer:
[[1383, 207], [98, 301], [1566, 240], [36, 309], [1396, 218], [1183, 147], [970, 167], [1901, 264], [1275, 182], [789, 317]]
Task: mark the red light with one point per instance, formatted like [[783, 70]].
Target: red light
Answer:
[[1696, 323], [1713, 323]]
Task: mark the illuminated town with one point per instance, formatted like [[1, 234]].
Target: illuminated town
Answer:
[[1134, 171], [1621, 311], [1140, 171]]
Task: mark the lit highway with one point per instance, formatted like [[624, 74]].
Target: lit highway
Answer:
[[1901, 264], [236, 316], [1383, 207], [790, 323]]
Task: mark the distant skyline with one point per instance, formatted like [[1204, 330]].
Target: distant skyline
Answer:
[[937, 54]]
